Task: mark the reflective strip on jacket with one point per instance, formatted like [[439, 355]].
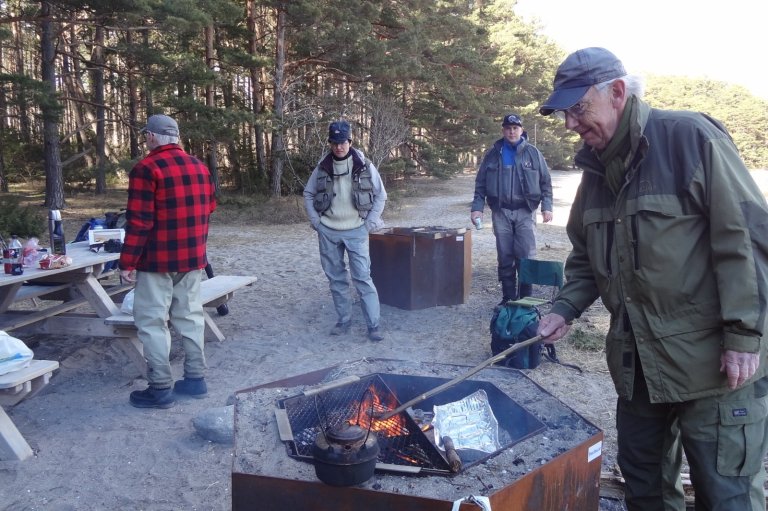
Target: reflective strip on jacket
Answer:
[[679, 258]]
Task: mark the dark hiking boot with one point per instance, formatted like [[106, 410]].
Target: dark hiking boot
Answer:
[[194, 387], [152, 398], [375, 334], [503, 301], [341, 328]]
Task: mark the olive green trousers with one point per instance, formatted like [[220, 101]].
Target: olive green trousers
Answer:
[[724, 441], [175, 297]]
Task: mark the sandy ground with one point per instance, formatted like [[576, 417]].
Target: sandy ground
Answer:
[[94, 451]]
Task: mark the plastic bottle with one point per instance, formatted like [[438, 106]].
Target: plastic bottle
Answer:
[[56, 231], [15, 250]]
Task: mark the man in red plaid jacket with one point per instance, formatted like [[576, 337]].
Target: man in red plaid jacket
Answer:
[[170, 199]]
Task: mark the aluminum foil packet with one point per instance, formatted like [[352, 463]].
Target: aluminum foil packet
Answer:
[[469, 422]]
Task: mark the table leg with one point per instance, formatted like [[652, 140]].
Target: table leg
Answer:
[[7, 295], [97, 297], [12, 444]]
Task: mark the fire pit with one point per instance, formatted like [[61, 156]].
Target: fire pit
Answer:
[[548, 457]]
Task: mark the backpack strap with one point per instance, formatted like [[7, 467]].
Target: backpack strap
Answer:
[[551, 355]]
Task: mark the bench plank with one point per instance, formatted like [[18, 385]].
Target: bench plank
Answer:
[[20, 319], [35, 369], [35, 291], [214, 291]]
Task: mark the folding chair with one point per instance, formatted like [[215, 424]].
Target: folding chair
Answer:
[[541, 273]]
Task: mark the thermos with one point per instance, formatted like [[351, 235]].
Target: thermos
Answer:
[[56, 232]]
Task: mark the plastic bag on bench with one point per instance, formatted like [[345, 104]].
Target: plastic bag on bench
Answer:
[[14, 354], [127, 306]]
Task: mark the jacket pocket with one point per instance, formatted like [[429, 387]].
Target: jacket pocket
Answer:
[[532, 189], [598, 227], [741, 437]]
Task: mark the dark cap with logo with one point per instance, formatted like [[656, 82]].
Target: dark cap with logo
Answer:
[[512, 120], [161, 125], [339, 132], [579, 71]]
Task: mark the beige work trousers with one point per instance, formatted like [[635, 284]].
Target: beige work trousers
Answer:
[[175, 297]]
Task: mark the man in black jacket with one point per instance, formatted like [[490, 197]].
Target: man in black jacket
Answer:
[[513, 179]]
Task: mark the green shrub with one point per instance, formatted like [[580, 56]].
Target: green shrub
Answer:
[[23, 221]]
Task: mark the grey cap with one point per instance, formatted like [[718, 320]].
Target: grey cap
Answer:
[[161, 125], [579, 71]]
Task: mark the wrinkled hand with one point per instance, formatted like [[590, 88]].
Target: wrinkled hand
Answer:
[[128, 275], [546, 216], [552, 327], [738, 366]]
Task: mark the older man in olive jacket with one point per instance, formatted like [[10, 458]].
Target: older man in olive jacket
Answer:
[[670, 231]]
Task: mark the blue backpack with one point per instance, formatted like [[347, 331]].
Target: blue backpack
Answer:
[[511, 324]]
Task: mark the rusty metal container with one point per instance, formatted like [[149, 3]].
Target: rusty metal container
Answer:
[[421, 267]]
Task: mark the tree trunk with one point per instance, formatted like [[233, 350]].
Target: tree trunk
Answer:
[[133, 100], [22, 100], [278, 106], [210, 62], [98, 98], [257, 101], [54, 183], [4, 113]]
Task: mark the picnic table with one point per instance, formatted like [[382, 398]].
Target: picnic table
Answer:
[[80, 299]]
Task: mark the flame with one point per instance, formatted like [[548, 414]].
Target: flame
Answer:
[[373, 401], [409, 459]]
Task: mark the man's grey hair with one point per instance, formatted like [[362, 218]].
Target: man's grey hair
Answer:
[[635, 84], [165, 139]]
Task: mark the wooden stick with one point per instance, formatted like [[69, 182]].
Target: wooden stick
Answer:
[[496, 358], [454, 461]]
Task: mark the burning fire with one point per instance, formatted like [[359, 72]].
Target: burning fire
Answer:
[[372, 403]]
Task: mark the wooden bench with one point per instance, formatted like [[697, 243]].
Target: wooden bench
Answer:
[[29, 292], [214, 292], [14, 387], [18, 319]]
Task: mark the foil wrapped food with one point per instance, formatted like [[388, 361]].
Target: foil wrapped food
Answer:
[[469, 422]]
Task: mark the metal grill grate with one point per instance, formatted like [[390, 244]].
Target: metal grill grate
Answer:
[[401, 443]]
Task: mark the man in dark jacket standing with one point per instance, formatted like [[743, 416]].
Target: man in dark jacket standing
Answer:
[[513, 179], [170, 199], [670, 230]]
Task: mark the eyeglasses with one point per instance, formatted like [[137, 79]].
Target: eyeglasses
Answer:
[[577, 111], [581, 108]]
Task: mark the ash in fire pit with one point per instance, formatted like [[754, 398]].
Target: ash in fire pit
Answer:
[[549, 456], [403, 442]]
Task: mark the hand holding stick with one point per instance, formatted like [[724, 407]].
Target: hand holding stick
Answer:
[[496, 358]]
